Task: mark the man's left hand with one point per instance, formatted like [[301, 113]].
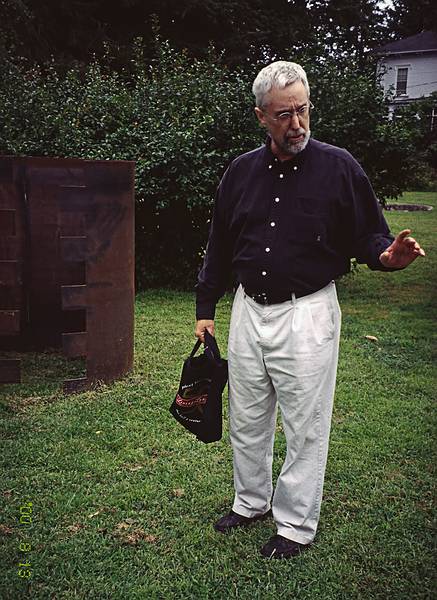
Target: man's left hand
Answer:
[[401, 252]]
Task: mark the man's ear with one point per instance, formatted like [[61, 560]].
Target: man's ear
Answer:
[[261, 117]]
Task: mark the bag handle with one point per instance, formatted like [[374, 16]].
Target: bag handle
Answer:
[[211, 347], [195, 349]]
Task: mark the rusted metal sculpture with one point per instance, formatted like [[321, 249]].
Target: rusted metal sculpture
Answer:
[[67, 263]]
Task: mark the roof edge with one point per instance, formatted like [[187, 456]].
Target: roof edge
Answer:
[[394, 52]]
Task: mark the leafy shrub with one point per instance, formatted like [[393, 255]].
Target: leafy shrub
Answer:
[[182, 121]]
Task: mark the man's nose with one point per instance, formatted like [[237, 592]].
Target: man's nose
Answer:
[[294, 121]]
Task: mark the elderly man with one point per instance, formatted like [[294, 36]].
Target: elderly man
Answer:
[[288, 218]]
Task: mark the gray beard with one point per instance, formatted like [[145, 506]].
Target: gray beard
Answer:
[[292, 149]]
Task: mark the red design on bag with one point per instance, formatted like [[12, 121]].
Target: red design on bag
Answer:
[[187, 403]]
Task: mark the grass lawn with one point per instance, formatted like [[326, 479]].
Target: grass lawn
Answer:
[[123, 499]]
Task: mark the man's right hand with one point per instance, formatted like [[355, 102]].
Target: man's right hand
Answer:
[[201, 325]]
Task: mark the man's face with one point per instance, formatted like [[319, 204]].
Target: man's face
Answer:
[[289, 135]]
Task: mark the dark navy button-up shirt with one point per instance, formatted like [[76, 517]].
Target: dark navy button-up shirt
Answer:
[[291, 226]]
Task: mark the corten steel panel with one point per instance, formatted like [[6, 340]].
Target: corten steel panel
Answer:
[[12, 258], [74, 297], [10, 299], [79, 219], [7, 222], [56, 171], [43, 179], [10, 370], [10, 248], [72, 386], [9, 322], [9, 273], [74, 344], [45, 311], [72, 225], [109, 270], [74, 248]]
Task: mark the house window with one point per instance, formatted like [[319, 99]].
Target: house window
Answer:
[[401, 81], [434, 119]]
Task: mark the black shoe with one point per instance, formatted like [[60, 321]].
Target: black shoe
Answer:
[[281, 547], [232, 520]]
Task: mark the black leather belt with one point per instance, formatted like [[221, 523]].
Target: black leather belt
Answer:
[[270, 298]]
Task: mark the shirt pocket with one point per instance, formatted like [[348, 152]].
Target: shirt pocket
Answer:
[[306, 229]]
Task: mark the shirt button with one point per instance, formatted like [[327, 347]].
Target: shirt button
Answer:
[[281, 175], [276, 199], [272, 224], [264, 273], [294, 168], [270, 166], [267, 249]]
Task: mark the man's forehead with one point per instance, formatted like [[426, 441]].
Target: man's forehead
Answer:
[[295, 93]]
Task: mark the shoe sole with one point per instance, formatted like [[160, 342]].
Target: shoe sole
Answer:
[[247, 524]]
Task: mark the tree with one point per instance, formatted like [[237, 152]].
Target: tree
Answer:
[[74, 29], [246, 31], [350, 28], [408, 17], [68, 29]]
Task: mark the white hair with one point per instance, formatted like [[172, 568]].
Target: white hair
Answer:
[[278, 74]]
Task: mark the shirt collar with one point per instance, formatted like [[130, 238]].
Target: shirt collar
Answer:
[[297, 160]]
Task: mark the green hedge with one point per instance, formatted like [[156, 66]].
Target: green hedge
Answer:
[[182, 121]]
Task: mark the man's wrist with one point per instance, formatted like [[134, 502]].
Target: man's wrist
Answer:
[[205, 312], [386, 267]]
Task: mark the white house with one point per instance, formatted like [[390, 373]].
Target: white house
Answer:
[[408, 69]]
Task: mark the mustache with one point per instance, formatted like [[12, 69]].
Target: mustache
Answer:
[[296, 133]]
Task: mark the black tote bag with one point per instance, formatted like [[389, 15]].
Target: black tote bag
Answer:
[[198, 402]]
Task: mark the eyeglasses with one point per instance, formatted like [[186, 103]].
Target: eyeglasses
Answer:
[[301, 113]]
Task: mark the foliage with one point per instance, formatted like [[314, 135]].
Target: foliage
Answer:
[[409, 17], [246, 30], [349, 28], [182, 120], [423, 142]]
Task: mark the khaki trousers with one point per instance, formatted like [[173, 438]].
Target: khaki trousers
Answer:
[[282, 354]]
